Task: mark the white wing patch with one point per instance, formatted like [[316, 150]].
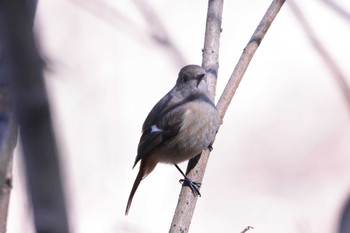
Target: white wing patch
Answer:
[[154, 129]]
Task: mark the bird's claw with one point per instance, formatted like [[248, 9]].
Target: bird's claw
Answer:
[[194, 186]]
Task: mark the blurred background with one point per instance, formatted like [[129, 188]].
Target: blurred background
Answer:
[[281, 158]]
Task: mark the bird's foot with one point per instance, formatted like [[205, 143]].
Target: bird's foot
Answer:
[[210, 147], [194, 186]]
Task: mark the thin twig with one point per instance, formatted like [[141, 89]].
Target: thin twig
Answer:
[[247, 229], [324, 54], [186, 203]]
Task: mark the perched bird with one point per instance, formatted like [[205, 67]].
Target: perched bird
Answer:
[[178, 128]]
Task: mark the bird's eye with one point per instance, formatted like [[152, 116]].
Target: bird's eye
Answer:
[[185, 78]]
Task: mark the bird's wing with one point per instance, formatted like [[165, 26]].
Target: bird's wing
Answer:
[[157, 111], [159, 127]]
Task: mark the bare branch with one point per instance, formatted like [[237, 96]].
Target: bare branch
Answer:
[[109, 14], [118, 19], [337, 74], [247, 229], [186, 203], [33, 115], [8, 139], [344, 224], [247, 56], [158, 31], [338, 9]]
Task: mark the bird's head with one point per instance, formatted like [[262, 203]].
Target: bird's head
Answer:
[[191, 78]]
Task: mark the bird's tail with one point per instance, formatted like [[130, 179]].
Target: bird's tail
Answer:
[[145, 169], [133, 190]]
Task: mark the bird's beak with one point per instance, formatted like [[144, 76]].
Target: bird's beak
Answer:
[[200, 78]]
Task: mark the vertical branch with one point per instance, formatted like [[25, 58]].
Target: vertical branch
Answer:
[[211, 48], [8, 124], [344, 223], [8, 139], [187, 201], [33, 115]]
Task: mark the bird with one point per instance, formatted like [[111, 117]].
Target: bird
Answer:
[[178, 128]]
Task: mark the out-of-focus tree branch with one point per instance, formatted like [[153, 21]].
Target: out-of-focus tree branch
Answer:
[[338, 9], [336, 72], [8, 139], [33, 115], [158, 31], [8, 126], [344, 224], [109, 14], [155, 29]]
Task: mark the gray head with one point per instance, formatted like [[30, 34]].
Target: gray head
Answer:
[[191, 78]]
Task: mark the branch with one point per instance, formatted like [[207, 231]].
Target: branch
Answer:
[[247, 229], [158, 32], [122, 21], [8, 139], [33, 115], [338, 9], [337, 74], [344, 224], [247, 56], [187, 201]]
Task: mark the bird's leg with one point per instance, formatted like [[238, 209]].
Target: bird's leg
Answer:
[[210, 147], [194, 186]]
